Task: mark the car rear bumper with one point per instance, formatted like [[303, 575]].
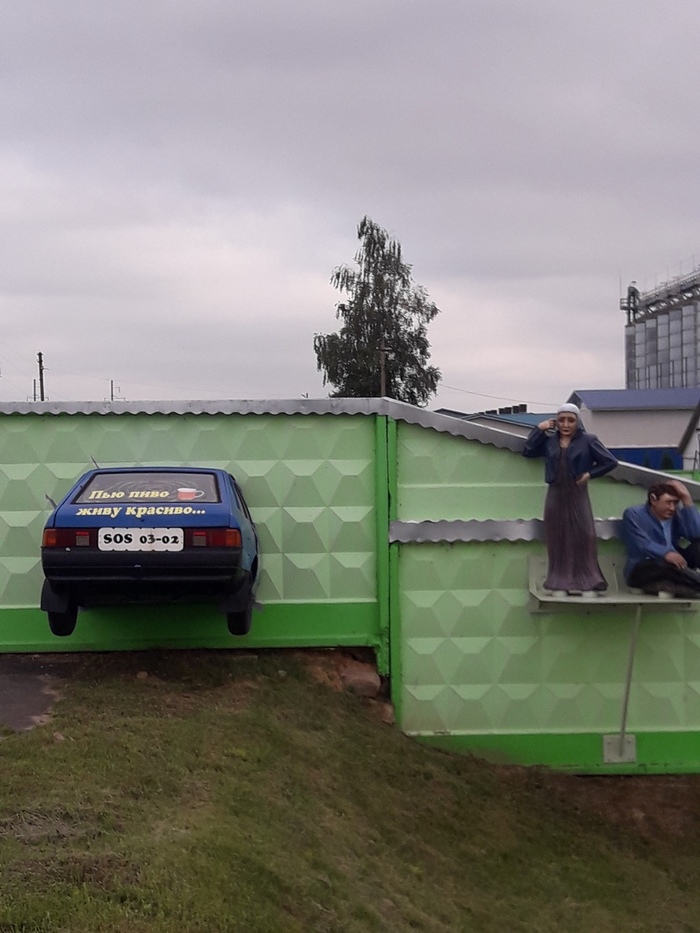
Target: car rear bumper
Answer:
[[92, 577]]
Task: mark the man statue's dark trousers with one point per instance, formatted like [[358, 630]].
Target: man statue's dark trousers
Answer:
[[655, 576]]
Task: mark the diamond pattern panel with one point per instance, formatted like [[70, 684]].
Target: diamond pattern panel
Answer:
[[446, 477], [475, 659], [309, 481]]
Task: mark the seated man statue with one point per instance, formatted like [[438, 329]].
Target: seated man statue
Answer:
[[663, 542]]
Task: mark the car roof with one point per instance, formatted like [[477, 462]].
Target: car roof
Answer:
[[156, 469]]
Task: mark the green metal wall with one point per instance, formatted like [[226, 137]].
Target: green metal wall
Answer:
[[474, 668], [445, 477], [476, 665], [313, 488]]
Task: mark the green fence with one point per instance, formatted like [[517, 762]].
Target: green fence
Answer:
[[386, 526], [315, 493], [476, 668]]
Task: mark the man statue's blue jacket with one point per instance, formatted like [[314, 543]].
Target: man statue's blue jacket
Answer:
[[644, 537]]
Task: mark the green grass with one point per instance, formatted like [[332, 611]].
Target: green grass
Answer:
[[230, 792]]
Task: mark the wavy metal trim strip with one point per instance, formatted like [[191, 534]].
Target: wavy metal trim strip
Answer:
[[473, 530]]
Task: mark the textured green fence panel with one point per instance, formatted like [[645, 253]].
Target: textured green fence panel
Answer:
[[310, 484], [475, 668], [477, 663], [446, 477]]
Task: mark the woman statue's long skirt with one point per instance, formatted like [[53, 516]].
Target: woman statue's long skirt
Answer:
[[569, 532]]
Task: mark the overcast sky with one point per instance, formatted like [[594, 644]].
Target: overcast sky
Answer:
[[180, 177]]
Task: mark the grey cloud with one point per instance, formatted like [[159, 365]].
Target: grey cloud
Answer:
[[166, 162]]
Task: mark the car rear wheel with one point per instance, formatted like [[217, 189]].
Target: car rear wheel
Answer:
[[63, 623], [239, 622]]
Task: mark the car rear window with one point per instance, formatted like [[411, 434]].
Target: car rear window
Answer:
[[150, 487]]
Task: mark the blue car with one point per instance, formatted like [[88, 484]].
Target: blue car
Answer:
[[150, 534]]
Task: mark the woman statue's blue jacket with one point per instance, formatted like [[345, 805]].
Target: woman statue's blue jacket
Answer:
[[585, 454]]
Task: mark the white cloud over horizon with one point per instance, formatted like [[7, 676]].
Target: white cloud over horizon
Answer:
[[178, 180]]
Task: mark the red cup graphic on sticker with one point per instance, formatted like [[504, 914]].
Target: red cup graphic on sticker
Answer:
[[187, 493]]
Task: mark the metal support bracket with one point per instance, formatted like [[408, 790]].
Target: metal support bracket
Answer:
[[614, 754], [622, 747]]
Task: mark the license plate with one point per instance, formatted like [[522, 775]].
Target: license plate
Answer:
[[140, 539]]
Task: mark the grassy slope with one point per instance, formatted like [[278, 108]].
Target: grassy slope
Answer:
[[233, 793]]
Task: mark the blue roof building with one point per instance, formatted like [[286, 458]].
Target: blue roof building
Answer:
[[643, 426], [648, 427], [683, 399]]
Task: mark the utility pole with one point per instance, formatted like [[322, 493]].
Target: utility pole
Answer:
[[382, 370], [113, 390], [40, 357]]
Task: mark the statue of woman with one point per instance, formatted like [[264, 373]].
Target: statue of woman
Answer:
[[572, 458]]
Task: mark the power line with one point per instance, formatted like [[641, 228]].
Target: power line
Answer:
[[502, 398], [152, 385], [22, 372], [16, 387]]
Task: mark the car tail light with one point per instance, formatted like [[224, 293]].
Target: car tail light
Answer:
[[213, 537], [69, 537]]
